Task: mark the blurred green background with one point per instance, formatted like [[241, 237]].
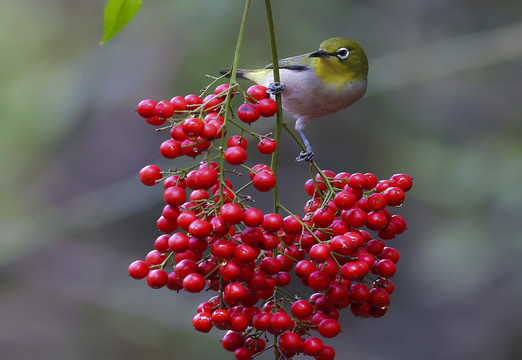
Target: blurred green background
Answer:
[[444, 105]]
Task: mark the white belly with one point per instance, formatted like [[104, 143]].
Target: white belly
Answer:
[[306, 98]]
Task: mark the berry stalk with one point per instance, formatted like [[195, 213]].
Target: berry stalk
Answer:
[[279, 114], [233, 75]]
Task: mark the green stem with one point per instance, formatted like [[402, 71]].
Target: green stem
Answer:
[[279, 116], [233, 75]]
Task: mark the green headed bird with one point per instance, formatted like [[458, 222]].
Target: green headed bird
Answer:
[[317, 83]]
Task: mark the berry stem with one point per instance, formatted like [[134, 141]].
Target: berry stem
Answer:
[[233, 75], [279, 116]]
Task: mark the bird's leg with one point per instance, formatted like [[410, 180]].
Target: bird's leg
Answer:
[[275, 88], [308, 154]]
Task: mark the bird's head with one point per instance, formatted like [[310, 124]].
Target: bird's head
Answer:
[[339, 61]]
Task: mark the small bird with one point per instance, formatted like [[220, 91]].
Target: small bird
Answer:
[[317, 83]]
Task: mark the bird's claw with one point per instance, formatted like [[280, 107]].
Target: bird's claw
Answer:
[[275, 88], [306, 155]]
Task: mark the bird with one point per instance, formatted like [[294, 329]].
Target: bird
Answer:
[[317, 83]]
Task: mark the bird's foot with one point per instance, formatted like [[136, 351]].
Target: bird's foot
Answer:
[[306, 155], [275, 88]]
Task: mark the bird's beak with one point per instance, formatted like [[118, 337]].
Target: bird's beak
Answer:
[[319, 53]]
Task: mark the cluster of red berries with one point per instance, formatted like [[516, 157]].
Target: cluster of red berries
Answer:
[[201, 119], [213, 239]]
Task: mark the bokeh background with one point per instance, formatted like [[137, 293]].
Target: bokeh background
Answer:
[[444, 105]]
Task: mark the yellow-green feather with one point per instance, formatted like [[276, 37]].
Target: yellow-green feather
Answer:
[[336, 72]]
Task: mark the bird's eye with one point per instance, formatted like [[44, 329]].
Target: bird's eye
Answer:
[[343, 53]]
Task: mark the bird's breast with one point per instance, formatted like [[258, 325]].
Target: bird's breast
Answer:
[[305, 96]]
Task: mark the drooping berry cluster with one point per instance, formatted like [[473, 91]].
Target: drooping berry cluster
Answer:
[[214, 239]]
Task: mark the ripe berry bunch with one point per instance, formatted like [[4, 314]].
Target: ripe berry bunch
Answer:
[[214, 239], [195, 121]]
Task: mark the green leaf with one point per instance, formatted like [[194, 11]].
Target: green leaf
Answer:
[[118, 13]]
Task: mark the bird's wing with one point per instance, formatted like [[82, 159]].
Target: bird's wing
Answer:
[[296, 63], [299, 62]]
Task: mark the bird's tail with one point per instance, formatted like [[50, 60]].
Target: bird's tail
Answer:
[[256, 76]]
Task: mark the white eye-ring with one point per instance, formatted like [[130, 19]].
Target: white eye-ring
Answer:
[[343, 53]]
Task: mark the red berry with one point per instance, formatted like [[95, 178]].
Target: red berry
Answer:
[[385, 268], [232, 341], [234, 292], [338, 293], [238, 322], [206, 178], [319, 253], [194, 283], [266, 146], [376, 202], [223, 249], [155, 121], [359, 293], [212, 102], [185, 219], [147, 108], [248, 113], [243, 353], [171, 149], [221, 90], [301, 309], [245, 253], [379, 297], [329, 328], [138, 269], [175, 196], [280, 322], [289, 342], [202, 322], [371, 181], [401, 181], [394, 196], [257, 168], [166, 225], [270, 266], [235, 155], [272, 222], [220, 316], [237, 140], [305, 268], [355, 217], [231, 214], [264, 181], [261, 321], [165, 109], [292, 224], [345, 200], [192, 126], [252, 217], [328, 353], [323, 217], [267, 107], [258, 92], [157, 278], [354, 270], [357, 181], [193, 101], [390, 253], [376, 220], [149, 175], [399, 223], [313, 346], [178, 242], [200, 228], [180, 104], [319, 280]]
